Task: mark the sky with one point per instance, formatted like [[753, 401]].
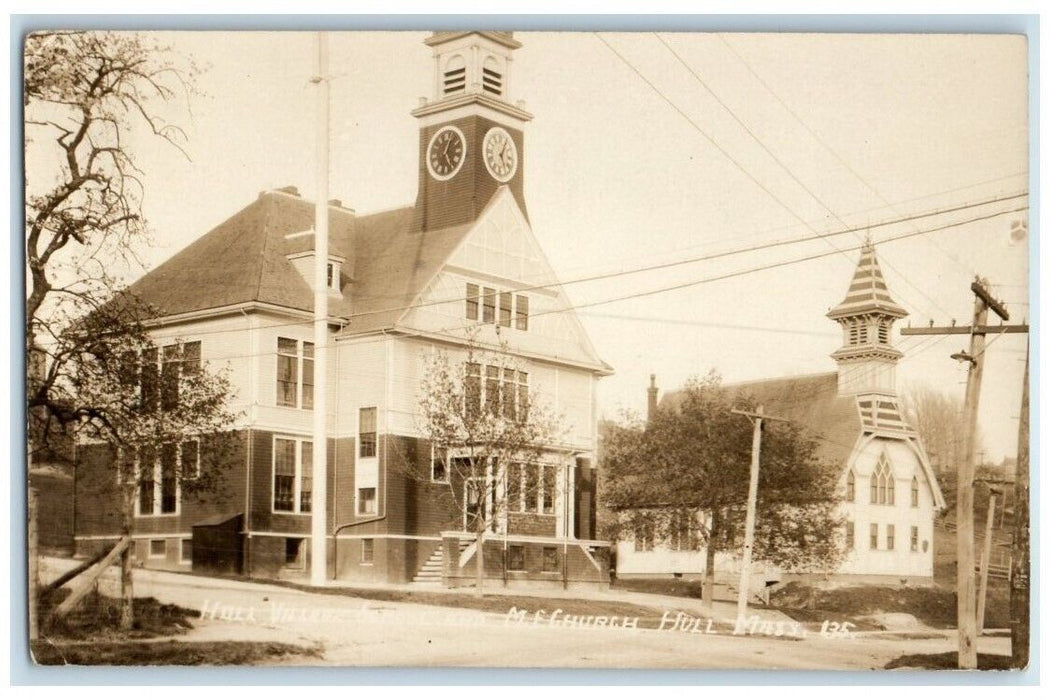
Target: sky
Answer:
[[649, 149]]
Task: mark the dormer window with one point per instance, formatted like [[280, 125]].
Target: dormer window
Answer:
[[491, 77], [455, 76], [333, 276]]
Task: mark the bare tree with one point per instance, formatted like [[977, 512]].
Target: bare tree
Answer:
[[491, 434], [89, 98], [938, 418], [84, 94]]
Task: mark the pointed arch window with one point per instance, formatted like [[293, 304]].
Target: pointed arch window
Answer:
[[851, 486], [915, 492], [882, 487]]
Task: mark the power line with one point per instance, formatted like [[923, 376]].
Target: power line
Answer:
[[701, 131], [687, 261], [793, 261], [742, 237], [842, 161], [683, 285], [705, 324], [779, 162]]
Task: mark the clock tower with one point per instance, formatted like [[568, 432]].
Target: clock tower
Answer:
[[471, 139]]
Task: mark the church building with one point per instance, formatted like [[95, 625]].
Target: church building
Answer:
[[888, 488], [458, 267]]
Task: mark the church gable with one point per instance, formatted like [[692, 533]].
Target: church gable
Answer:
[[880, 458], [498, 285]]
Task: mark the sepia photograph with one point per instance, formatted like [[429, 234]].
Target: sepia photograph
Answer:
[[492, 348]]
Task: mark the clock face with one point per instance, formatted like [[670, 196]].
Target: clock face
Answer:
[[501, 155], [446, 152]]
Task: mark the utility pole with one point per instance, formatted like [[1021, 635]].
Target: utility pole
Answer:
[[757, 418], [1020, 562], [965, 575], [986, 559], [319, 468]]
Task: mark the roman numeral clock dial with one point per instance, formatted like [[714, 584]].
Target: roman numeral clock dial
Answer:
[[446, 152], [501, 155]]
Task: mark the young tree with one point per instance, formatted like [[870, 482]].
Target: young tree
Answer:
[[480, 415], [164, 414], [694, 458]]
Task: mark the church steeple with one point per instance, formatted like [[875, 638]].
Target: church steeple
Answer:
[[867, 359], [471, 137]]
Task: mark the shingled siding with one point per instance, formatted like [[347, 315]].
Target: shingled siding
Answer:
[[98, 518]]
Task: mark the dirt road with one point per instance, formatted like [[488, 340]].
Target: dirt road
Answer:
[[357, 632]]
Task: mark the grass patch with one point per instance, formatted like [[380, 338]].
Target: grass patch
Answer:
[[164, 653], [949, 660], [681, 588], [934, 606], [97, 617], [490, 602]]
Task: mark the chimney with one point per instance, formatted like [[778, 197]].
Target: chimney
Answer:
[[653, 394]]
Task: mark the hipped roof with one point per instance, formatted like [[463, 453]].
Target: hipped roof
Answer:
[[244, 259]]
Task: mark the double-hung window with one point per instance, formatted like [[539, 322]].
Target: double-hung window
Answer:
[[521, 312], [159, 474], [547, 478], [366, 432], [366, 501], [490, 305], [501, 391], [295, 373], [292, 468]]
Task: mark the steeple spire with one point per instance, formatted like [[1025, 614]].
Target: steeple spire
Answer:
[[867, 359], [867, 292]]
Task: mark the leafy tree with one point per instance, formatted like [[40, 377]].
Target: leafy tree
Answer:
[[694, 458], [486, 425], [93, 366]]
